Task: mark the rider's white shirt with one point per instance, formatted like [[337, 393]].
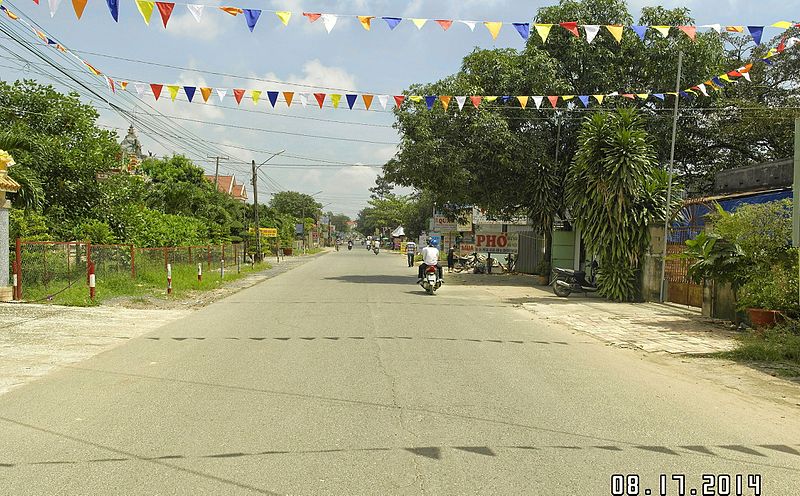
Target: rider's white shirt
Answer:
[[430, 255]]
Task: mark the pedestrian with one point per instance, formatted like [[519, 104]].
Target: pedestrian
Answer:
[[411, 251], [451, 258]]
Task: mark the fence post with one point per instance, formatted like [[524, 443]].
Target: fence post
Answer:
[[169, 279], [92, 281], [222, 268], [238, 259], [133, 262], [223, 250], [88, 261], [200, 272], [208, 250], [18, 274]]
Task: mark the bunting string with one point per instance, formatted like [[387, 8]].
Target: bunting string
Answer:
[[366, 100], [330, 20]]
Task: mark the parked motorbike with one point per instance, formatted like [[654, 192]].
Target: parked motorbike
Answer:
[[430, 279], [567, 281]]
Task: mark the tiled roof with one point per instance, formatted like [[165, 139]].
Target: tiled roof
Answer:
[[224, 183], [239, 192]]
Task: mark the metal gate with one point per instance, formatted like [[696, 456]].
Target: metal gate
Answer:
[[531, 252], [681, 289]]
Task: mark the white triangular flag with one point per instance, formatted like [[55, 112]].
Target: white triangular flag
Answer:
[[329, 20], [140, 87], [53, 6], [747, 76], [419, 22], [196, 11], [715, 27], [702, 87], [221, 92], [303, 100], [538, 101], [461, 100], [383, 100], [469, 24], [591, 32]]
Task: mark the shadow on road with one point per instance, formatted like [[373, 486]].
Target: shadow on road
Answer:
[[374, 279]]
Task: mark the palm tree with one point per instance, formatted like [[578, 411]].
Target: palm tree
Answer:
[[31, 193]]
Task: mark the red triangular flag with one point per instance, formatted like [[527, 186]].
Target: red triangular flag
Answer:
[[320, 98], [312, 17], [735, 74], [782, 45], [629, 95], [572, 27], [690, 31], [165, 9], [476, 100], [553, 101], [238, 94], [156, 90], [444, 23], [399, 99], [36, 2]]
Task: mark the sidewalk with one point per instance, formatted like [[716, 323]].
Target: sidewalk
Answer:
[[651, 327]]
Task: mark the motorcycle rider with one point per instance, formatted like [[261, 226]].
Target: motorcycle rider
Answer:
[[430, 258], [349, 244]]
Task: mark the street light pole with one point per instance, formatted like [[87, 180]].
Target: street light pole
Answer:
[[255, 203]]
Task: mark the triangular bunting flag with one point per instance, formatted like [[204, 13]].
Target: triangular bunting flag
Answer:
[[110, 83], [415, 98], [445, 101], [663, 30], [734, 29], [782, 25], [715, 27], [53, 4], [444, 23], [335, 99], [366, 21], [523, 101], [156, 89], [690, 31], [165, 9], [272, 96], [189, 90], [567, 97], [311, 17], [616, 31], [476, 101], [145, 9], [469, 24], [329, 20], [630, 96], [572, 27], [392, 22], [303, 99], [702, 88], [538, 101], [430, 100], [591, 32], [660, 96], [490, 99], [461, 100], [113, 7], [320, 98], [643, 96], [584, 100], [367, 100], [221, 92], [756, 32], [553, 101], [196, 11], [543, 30], [251, 18], [288, 96], [255, 95], [78, 6], [139, 87], [383, 100], [640, 31], [234, 11], [123, 85], [599, 98], [398, 100], [238, 94], [494, 28], [173, 91], [419, 22], [523, 28], [205, 92], [284, 16], [351, 100]]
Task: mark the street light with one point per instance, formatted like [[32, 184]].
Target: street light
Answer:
[[255, 202]]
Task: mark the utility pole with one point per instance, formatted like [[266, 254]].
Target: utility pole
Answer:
[[257, 256], [216, 169], [668, 206]]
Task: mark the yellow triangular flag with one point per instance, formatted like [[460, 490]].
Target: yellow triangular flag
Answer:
[[599, 98], [523, 101], [664, 30], [366, 21], [419, 22], [782, 25], [146, 9], [494, 28], [284, 16], [725, 77], [616, 32], [643, 96], [415, 98], [255, 95], [543, 30], [173, 91], [567, 97], [490, 99], [335, 98], [445, 101]]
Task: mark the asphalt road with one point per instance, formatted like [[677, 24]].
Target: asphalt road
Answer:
[[343, 377]]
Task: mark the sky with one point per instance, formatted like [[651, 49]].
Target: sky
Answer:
[[221, 52]]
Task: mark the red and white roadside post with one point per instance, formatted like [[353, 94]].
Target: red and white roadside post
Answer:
[[92, 281], [200, 272], [169, 279], [222, 268]]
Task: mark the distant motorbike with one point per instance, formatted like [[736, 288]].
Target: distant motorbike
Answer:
[[567, 281], [349, 245], [376, 250], [430, 280]]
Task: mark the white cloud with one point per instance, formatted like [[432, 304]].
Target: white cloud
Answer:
[[210, 27]]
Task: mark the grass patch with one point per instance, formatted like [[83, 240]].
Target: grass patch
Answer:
[[776, 349], [150, 282]]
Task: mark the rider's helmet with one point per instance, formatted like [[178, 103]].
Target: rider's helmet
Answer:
[[433, 242]]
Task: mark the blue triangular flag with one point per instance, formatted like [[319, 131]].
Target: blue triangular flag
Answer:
[[768, 61], [189, 90], [430, 100], [640, 31], [756, 32], [113, 6], [251, 17], [351, 100], [392, 21], [51, 42], [505, 98], [684, 94], [660, 96], [718, 82], [584, 100], [523, 28], [273, 97]]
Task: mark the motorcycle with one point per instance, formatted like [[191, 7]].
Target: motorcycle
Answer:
[[349, 246], [376, 250], [567, 281], [430, 279]]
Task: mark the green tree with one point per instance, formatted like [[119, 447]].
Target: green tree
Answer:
[[296, 204]]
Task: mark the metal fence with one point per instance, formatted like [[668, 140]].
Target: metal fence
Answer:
[[56, 266]]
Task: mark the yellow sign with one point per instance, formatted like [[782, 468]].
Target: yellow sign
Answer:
[[267, 232]]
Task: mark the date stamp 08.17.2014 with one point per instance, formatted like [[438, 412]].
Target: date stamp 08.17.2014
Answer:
[[680, 485]]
